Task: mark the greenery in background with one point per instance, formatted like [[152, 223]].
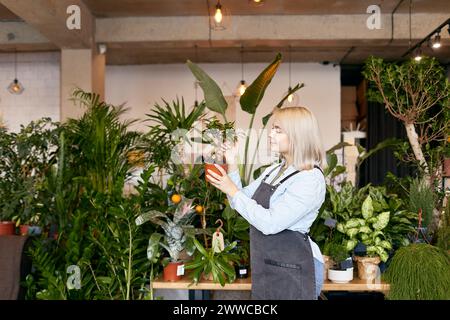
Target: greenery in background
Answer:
[[419, 272], [26, 158], [422, 197], [96, 228], [418, 94], [443, 240]]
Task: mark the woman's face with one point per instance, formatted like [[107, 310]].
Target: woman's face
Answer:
[[279, 141]]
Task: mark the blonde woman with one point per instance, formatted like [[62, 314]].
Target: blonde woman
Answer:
[[281, 206]]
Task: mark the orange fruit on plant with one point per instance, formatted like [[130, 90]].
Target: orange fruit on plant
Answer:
[[199, 209], [176, 198]]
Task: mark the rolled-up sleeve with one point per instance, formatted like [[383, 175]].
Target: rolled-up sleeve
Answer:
[[304, 195]]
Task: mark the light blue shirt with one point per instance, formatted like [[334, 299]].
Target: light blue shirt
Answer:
[[294, 205]]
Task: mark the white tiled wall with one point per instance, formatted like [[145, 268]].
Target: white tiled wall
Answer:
[[40, 75]]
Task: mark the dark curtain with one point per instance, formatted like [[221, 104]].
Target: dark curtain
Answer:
[[381, 126]]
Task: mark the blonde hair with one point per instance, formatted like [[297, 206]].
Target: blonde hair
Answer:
[[302, 129]]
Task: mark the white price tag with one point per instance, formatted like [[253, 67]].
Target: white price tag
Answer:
[[180, 270]]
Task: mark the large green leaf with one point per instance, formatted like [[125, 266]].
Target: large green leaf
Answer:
[[214, 98], [383, 220], [255, 92], [367, 208]]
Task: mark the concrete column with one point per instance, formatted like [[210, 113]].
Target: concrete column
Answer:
[[84, 69]]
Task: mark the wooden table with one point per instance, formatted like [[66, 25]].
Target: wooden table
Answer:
[[246, 284]]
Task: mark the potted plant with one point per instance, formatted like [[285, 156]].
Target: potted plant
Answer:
[[419, 272], [212, 265], [367, 228], [341, 270], [174, 239], [242, 266], [216, 134]]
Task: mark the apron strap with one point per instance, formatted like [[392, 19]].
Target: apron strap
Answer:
[[290, 175], [317, 167], [267, 175]]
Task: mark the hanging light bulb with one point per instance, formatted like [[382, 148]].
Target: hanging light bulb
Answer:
[[242, 86], [293, 99], [256, 2], [218, 15], [436, 42], [418, 55], [15, 87]]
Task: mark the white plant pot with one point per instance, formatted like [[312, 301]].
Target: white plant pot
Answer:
[[340, 276]]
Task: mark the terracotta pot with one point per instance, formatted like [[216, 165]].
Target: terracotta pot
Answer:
[[368, 267], [173, 271], [212, 167], [7, 228], [446, 169], [23, 229]]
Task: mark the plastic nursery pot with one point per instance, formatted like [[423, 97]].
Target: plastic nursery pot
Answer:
[[173, 271], [212, 167], [241, 271], [7, 228]]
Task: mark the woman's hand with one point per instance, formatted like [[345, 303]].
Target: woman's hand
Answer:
[[222, 182]]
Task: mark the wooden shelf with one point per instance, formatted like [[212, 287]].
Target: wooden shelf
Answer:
[[246, 284]]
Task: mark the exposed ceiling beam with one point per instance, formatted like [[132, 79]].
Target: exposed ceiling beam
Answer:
[[49, 18]]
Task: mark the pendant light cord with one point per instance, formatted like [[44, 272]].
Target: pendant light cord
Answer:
[[242, 62], [290, 61], [15, 64], [410, 34]]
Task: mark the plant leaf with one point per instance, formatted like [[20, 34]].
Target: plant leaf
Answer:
[[255, 92], [214, 98]]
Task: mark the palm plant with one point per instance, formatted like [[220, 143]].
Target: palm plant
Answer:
[[101, 140], [169, 120]]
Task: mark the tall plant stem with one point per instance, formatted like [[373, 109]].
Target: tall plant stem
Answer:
[[130, 249], [247, 142], [256, 151]]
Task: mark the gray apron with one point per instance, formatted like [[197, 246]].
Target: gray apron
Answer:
[[282, 265]]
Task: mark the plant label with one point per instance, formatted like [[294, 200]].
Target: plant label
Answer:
[[217, 242], [180, 270]]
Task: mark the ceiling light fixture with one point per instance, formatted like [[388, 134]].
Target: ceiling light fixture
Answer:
[[15, 87], [418, 55], [242, 86], [220, 19], [435, 43], [256, 2]]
